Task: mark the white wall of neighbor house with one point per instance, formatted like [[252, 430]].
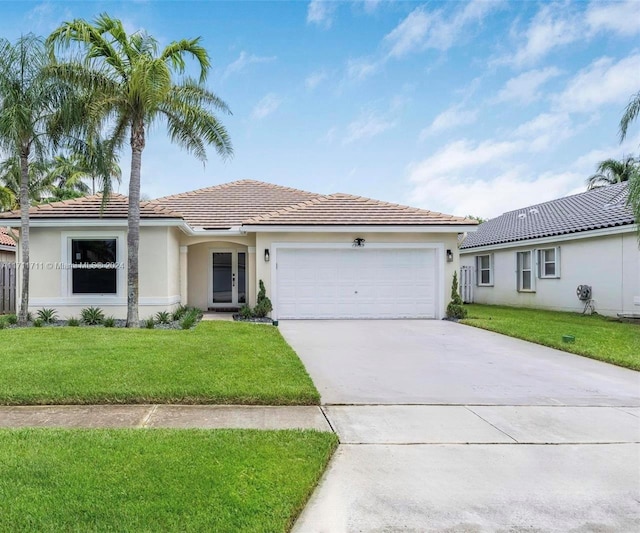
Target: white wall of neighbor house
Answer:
[[609, 264], [266, 241], [7, 256], [49, 284]]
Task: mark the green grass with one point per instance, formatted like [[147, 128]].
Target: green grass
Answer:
[[217, 362], [158, 480], [597, 337]]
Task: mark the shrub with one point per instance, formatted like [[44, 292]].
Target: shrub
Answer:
[[149, 323], [109, 322], [263, 305], [29, 316], [92, 316], [73, 322], [246, 312], [12, 320], [48, 315], [189, 319], [37, 323], [455, 309], [179, 312], [163, 317], [3, 323]]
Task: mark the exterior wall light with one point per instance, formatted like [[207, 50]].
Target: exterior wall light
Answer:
[[266, 255], [449, 256], [358, 242]]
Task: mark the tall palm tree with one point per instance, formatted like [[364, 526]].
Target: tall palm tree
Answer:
[[630, 114], [34, 111], [135, 85], [612, 171], [11, 177]]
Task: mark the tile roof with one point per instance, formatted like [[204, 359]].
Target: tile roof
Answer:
[[5, 238], [604, 207], [91, 207], [345, 209], [230, 204]]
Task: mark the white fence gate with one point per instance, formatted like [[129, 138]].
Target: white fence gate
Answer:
[[466, 284]]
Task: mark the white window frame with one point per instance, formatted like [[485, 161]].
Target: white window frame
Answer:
[[67, 273], [542, 262], [479, 270], [520, 270]]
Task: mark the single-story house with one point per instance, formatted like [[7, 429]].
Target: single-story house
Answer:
[[539, 255], [7, 247], [319, 256]]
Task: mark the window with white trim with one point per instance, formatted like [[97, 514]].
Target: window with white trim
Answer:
[[549, 262], [525, 271], [484, 270], [93, 266]]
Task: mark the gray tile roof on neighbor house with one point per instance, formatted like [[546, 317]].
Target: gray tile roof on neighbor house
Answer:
[[605, 207]]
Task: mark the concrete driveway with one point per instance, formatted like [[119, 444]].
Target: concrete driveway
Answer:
[[445, 427]]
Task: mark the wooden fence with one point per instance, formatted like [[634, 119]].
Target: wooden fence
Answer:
[[7, 288], [466, 284]]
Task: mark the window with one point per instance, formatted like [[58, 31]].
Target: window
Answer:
[[525, 272], [484, 270], [93, 266], [549, 263]]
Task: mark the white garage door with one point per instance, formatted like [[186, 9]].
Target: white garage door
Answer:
[[356, 283]]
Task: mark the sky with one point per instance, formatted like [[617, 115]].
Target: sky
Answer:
[[467, 108]]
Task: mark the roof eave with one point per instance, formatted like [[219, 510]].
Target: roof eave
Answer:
[[344, 228]]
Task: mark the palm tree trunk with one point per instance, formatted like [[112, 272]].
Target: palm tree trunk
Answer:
[[133, 233], [24, 235]]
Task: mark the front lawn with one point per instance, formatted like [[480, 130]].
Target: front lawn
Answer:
[[596, 336], [158, 480], [215, 363]]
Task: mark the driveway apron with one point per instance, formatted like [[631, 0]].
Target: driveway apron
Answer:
[[444, 427]]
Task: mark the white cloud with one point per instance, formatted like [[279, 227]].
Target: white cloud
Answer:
[[622, 18], [265, 107], [603, 82], [545, 131], [366, 126], [371, 6], [314, 79], [491, 197], [320, 12], [244, 60], [434, 29], [525, 88], [359, 69], [562, 23], [449, 119]]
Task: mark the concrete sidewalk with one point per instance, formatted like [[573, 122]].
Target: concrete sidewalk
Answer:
[[165, 416]]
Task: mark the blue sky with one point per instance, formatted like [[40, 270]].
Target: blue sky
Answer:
[[462, 107]]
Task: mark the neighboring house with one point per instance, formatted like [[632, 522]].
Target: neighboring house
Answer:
[[538, 256], [210, 247], [7, 247]]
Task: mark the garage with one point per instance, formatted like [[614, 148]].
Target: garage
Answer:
[[369, 282]]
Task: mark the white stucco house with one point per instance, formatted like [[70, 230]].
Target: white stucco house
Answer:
[[320, 256], [537, 256]]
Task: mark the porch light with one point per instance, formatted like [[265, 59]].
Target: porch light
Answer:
[[449, 256], [358, 242], [266, 255]]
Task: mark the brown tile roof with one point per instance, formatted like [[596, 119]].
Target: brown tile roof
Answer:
[[345, 209], [91, 207], [230, 204], [5, 238]]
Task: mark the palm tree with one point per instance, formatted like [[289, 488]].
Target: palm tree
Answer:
[[612, 171], [135, 86], [630, 114], [11, 177], [34, 111]]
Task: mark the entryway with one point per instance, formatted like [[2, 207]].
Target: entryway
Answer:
[[228, 278]]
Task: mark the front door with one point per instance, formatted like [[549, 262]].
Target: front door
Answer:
[[228, 278]]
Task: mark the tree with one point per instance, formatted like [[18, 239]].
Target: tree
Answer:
[[612, 171], [630, 114], [11, 178], [34, 112], [135, 85]]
